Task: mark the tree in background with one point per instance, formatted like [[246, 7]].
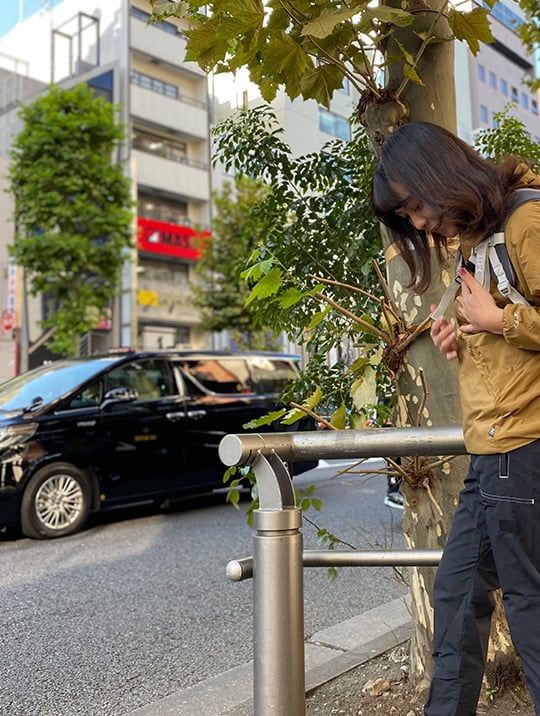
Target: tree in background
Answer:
[[72, 209], [221, 293], [399, 56], [508, 136]]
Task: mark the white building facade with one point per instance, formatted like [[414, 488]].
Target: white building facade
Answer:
[[168, 106]]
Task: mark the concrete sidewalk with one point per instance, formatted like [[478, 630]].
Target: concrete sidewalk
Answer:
[[328, 653]]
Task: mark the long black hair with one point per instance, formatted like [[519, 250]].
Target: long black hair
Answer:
[[441, 170]]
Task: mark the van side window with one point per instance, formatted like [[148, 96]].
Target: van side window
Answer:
[[219, 375], [271, 375], [88, 397], [152, 379]]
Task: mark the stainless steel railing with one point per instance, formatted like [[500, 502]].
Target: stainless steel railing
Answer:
[[278, 557]]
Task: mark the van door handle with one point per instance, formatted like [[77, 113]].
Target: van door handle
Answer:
[[196, 413], [175, 416]]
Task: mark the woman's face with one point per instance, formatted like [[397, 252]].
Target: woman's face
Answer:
[[423, 216]]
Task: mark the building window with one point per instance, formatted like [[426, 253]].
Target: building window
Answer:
[[160, 209], [524, 100], [504, 87], [152, 83], [481, 73], [483, 114], [160, 146], [534, 106], [103, 85], [493, 80], [494, 121], [162, 25], [334, 124], [165, 272], [515, 95]]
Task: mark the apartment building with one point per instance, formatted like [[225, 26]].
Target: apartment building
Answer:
[[164, 105], [488, 81], [168, 106]]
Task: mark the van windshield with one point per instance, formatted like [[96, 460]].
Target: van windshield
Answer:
[[48, 382]]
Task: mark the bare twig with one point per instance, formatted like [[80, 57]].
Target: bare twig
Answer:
[[368, 327]]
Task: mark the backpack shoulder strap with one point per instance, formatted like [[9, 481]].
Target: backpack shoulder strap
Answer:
[[499, 261], [519, 197], [502, 269]]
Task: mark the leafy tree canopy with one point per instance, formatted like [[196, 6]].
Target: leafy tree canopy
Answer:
[[316, 244], [221, 293], [308, 48], [509, 136], [72, 208]]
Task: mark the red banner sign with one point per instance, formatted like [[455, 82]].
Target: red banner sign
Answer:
[[159, 237]]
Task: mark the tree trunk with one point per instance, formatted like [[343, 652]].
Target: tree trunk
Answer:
[[427, 517]]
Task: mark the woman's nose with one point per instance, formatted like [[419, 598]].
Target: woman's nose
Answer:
[[419, 221]]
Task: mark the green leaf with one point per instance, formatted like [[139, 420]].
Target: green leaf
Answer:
[[261, 268], [411, 74], [317, 318], [364, 390], [472, 27], [339, 417], [267, 286], [290, 297], [319, 83], [293, 416], [324, 25], [229, 474], [332, 573], [315, 398], [387, 14], [267, 419]]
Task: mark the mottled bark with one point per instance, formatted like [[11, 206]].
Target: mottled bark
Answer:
[[427, 518]]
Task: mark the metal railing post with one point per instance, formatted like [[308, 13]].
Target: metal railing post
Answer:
[[278, 558], [278, 594]]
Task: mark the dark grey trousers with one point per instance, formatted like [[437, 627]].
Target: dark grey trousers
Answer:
[[494, 541]]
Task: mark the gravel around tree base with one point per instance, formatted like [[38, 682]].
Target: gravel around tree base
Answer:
[[381, 686]]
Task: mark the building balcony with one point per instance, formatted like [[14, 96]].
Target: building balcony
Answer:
[[189, 182], [182, 114], [163, 46]]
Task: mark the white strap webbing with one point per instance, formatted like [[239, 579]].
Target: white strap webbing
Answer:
[[450, 292], [483, 257], [503, 283]]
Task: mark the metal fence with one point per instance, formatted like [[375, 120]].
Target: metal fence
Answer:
[[278, 557]]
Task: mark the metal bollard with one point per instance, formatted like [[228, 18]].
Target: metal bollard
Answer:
[[278, 594]]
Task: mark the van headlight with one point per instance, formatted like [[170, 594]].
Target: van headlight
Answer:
[[14, 435]]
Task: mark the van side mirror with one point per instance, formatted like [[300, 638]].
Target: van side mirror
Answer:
[[119, 395]]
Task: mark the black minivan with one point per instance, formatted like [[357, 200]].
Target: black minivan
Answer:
[[84, 434]]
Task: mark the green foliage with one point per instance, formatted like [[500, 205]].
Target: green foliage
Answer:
[[306, 47], [510, 136], [221, 294], [314, 221], [72, 209]]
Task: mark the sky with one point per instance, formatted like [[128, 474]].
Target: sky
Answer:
[[10, 11]]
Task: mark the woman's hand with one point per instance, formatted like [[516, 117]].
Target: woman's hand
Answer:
[[443, 335], [477, 306]]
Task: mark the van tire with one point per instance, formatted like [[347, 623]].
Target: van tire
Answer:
[[56, 502]]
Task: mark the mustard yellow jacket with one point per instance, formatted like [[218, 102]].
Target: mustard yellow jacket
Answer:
[[500, 374]]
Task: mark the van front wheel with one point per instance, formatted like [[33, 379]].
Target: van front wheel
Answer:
[[56, 502]]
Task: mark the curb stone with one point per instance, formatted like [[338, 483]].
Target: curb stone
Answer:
[[328, 654]]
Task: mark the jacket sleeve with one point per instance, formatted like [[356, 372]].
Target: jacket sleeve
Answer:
[[521, 324]]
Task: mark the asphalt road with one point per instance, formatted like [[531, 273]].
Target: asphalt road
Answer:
[[138, 605]]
